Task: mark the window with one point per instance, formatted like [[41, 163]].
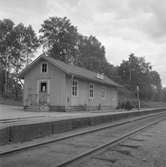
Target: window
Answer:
[[44, 67], [75, 87], [91, 90], [103, 92]]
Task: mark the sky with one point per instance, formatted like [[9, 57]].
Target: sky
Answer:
[[122, 26]]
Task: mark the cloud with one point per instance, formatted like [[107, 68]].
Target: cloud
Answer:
[[153, 21], [28, 12], [29, 6]]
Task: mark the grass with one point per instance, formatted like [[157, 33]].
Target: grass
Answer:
[[126, 95], [9, 101], [150, 104]]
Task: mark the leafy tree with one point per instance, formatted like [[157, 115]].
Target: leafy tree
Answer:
[[92, 54], [156, 85], [155, 80], [113, 72], [60, 39], [133, 67], [135, 71], [16, 43], [6, 27], [163, 94], [25, 43]]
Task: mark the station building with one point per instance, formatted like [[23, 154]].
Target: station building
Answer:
[[50, 84]]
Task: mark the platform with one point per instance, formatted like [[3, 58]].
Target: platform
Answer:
[[17, 125]]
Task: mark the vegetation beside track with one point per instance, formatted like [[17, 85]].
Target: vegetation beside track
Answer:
[[10, 101]]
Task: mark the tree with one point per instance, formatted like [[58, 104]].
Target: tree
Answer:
[[155, 79], [135, 71], [163, 94], [16, 43], [113, 72], [25, 43], [92, 54], [60, 39], [6, 27], [156, 85]]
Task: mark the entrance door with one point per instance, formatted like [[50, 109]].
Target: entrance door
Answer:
[[43, 92]]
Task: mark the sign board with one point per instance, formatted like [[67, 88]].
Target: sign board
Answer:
[[100, 76]]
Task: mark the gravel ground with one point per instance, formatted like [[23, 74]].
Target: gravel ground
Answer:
[[147, 149]]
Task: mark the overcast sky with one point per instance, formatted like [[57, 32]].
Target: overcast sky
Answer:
[[123, 26]]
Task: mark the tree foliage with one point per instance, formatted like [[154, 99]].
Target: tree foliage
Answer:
[[17, 45], [137, 72], [92, 54], [60, 39]]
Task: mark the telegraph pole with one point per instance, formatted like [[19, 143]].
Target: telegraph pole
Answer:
[[138, 98]]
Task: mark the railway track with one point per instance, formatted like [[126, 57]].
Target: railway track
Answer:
[[72, 148], [104, 146]]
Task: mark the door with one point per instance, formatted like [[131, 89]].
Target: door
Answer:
[[43, 92]]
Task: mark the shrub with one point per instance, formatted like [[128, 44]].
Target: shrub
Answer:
[[127, 105]]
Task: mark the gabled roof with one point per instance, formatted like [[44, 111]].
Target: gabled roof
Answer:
[[71, 70]]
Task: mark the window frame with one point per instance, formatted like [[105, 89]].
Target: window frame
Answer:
[[91, 90], [74, 88], [42, 68], [103, 88]]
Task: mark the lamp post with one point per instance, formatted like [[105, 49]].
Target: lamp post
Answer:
[[138, 98]]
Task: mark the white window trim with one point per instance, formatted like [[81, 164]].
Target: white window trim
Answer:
[[72, 88], [42, 66], [90, 89]]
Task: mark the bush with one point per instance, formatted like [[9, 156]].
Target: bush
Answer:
[[127, 105]]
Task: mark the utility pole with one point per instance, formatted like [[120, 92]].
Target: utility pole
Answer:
[[138, 98]]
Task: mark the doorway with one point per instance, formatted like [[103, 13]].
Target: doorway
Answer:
[[43, 92]]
